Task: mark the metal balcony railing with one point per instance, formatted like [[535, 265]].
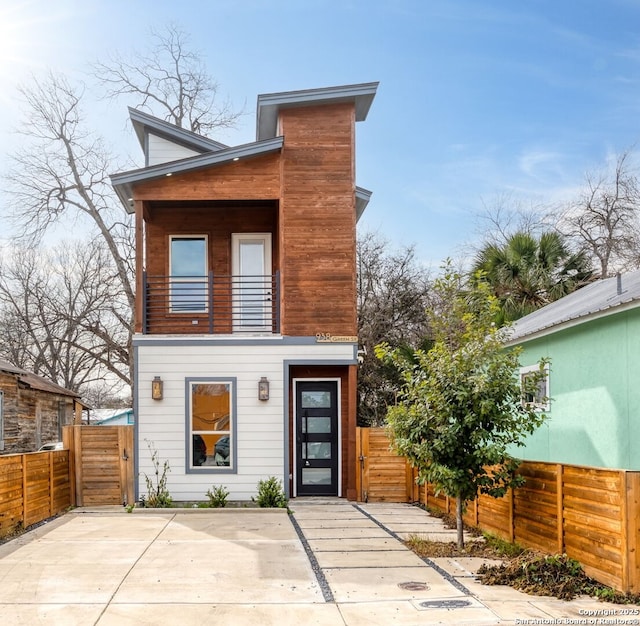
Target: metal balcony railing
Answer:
[[213, 304]]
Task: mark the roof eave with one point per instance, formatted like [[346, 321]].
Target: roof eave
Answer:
[[270, 104], [570, 323], [362, 200], [143, 123], [124, 182]]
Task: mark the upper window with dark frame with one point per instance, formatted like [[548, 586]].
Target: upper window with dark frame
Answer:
[[188, 270]]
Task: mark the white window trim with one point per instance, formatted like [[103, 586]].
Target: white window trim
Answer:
[[190, 279], [538, 406], [232, 381]]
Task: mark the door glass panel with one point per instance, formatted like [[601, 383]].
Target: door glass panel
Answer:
[[316, 399], [315, 425], [317, 450], [316, 476], [252, 290]]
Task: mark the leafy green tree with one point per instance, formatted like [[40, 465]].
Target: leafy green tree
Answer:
[[461, 405], [528, 272]]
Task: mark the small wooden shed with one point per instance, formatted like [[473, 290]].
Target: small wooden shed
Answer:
[[33, 410]]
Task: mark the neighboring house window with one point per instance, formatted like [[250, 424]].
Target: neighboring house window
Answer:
[[211, 425], [536, 395], [188, 270], [1, 420]]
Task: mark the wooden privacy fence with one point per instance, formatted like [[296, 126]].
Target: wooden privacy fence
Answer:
[[591, 514], [33, 487], [95, 468], [101, 463]]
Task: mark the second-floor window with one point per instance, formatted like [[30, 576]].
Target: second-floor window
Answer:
[[188, 270]]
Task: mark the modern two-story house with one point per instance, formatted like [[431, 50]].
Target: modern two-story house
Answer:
[[246, 333]]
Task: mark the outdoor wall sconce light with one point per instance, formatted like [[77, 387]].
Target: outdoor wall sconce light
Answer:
[[263, 388], [156, 388]]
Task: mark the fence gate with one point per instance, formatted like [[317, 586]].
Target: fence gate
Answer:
[[382, 476], [102, 463]]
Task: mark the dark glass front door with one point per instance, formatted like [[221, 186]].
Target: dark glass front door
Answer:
[[317, 438]]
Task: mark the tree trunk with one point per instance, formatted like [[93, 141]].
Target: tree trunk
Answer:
[[459, 523]]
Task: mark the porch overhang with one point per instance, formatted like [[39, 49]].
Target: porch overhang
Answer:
[[125, 182]]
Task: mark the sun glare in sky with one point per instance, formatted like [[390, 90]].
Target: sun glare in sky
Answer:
[[29, 37]]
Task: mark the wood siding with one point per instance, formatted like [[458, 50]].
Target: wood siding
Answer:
[[317, 221], [311, 216], [31, 416], [591, 514], [250, 179], [217, 222]]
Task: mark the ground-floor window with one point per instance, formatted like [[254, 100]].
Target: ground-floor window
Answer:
[[211, 425]]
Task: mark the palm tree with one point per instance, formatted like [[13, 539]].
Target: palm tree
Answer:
[[526, 273]]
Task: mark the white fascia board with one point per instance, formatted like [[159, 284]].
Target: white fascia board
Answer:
[[270, 104], [124, 181]]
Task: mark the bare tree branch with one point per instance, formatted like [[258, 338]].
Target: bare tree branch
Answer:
[[604, 220], [171, 82]]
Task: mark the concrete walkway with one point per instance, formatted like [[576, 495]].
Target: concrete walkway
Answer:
[[330, 563]]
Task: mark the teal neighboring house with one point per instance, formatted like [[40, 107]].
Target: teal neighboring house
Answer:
[[592, 337]]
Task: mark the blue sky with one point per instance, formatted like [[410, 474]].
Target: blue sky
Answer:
[[477, 99]]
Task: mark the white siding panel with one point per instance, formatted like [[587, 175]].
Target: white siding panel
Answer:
[[163, 151], [261, 447]]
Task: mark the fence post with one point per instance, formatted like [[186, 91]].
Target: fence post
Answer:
[[51, 494], [559, 507], [67, 439], [24, 490], [632, 531]]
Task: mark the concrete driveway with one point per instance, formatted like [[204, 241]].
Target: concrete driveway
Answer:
[[330, 563]]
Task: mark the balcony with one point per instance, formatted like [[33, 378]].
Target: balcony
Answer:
[[213, 304]]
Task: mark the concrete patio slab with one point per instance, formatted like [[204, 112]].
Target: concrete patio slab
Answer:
[[43, 614], [378, 558], [355, 544], [388, 583], [367, 532], [407, 614], [222, 614], [249, 566], [317, 522]]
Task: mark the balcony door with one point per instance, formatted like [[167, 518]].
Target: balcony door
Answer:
[[252, 284]]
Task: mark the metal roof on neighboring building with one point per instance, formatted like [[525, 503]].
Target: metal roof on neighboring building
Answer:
[[34, 381], [600, 298]]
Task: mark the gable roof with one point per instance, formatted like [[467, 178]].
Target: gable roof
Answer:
[[34, 381], [600, 298]]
